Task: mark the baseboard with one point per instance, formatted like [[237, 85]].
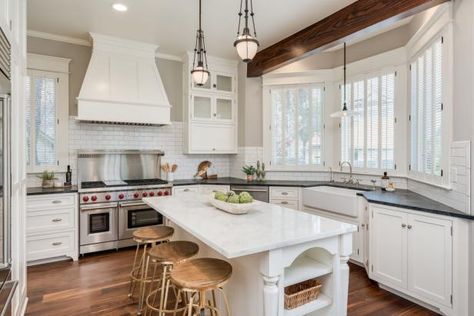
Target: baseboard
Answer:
[[410, 298]]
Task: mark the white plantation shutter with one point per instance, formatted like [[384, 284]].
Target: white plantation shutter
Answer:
[[297, 125], [367, 138], [41, 119], [426, 111]]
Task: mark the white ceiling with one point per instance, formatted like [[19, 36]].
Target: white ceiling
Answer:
[[172, 23]]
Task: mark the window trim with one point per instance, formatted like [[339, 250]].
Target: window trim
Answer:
[[54, 67], [440, 28], [267, 133]]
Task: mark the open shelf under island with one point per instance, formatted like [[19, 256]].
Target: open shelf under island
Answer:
[[269, 248]]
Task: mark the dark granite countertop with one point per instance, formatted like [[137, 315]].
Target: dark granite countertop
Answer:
[[40, 190], [411, 200]]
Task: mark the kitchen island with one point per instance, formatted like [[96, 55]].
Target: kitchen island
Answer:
[[269, 248]]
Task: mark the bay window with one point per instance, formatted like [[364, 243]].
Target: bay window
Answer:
[[367, 137]]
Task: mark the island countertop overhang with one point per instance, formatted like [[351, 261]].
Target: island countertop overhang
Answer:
[[264, 228]]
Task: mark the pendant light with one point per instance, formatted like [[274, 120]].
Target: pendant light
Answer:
[[345, 112], [245, 44], [200, 72]]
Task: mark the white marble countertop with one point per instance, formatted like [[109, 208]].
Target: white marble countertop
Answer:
[[263, 228]]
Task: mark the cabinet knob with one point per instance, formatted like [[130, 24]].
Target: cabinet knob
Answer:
[[56, 202], [363, 225], [284, 193], [58, 243], [55, 220], [410, 227], [404, 225], [284, 202], [214, 85]]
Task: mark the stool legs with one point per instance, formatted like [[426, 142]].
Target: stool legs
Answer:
[[134, 268], [202, 305]]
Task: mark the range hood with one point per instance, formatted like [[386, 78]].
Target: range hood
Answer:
[[122, 84]]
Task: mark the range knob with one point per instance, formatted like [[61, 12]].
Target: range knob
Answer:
[[121, 196], [160, 193], [94, 198], [152, 193], [136, 195], [167, 193], [85, 198], [108, 197], [144, 194]]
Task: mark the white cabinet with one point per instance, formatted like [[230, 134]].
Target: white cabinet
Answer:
[[388, 241], [430, 258], [210, 111], [412, 253], [51, 227], [285, 196]]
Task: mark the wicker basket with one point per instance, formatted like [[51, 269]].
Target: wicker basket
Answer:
[[302, 293]]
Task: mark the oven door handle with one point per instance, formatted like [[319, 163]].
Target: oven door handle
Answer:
[[128, 204], [98, 206]]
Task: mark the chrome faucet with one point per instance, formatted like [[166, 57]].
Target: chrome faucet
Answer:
[[351, 179]]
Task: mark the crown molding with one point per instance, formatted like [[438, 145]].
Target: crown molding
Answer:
[[59, 38], [87, 43]]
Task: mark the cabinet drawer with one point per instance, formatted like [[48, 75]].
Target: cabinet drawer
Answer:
[[49, 201], [208, 189], [293, 204], [184, 189], [284, 193], [49, 246], [47, 221]]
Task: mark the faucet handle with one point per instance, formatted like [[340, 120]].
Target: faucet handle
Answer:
[[373, 181]]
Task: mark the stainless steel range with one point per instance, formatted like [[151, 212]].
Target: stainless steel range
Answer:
[[111, 187]]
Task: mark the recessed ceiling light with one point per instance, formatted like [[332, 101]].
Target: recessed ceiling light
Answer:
[[120, 7]]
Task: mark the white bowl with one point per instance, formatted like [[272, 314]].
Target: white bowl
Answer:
[[232, 208]]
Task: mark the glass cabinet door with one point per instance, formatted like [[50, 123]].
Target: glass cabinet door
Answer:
[[202, 107], [224, 83], [223, 109]]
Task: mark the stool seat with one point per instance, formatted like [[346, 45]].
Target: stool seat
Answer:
[[173, 252], [201, 274], [154, 233]]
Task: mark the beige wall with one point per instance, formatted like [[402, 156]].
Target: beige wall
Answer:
[[170, 71]]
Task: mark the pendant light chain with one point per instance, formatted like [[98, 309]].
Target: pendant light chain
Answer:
[[253, 20]]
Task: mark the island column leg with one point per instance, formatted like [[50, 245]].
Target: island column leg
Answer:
[[270, 295]]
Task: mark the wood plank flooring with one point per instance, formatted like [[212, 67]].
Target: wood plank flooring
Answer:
[[98, 285]]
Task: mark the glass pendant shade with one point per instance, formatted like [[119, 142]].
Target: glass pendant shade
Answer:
[[247, 47], [200, 75], [246, 44]]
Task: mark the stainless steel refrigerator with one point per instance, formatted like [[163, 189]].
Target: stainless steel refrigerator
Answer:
[[7, 286]]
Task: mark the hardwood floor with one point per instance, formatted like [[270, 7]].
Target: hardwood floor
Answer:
[[98, 285]]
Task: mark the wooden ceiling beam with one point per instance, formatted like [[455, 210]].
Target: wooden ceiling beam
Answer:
[[359, 17]]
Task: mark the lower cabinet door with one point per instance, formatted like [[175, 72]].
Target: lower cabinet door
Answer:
[[388, 242], [430, 258]]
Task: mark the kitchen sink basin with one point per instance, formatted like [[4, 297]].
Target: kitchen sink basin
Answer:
[[336, 200]]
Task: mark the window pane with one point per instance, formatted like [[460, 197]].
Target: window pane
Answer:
[[28, 118], [346, 127], [45, 121], [437, 94], [388, 120], [428, 114], [414, 116], [296, 125], [373, 123], [358, 158]]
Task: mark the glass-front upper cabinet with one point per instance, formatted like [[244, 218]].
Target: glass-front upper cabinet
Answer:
[[218, 82], [213, 108]]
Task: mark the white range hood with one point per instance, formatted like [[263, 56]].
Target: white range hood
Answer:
[[122, 84]]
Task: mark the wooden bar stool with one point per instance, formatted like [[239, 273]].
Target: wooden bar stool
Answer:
[[145, 237], [199, 276], [167, 256]]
